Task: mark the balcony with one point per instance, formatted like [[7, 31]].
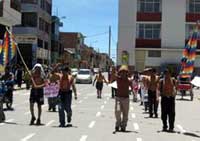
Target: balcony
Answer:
[[192, 17], [25, 30], [1, 8], [15, 4], [149, 16], [148, 43]]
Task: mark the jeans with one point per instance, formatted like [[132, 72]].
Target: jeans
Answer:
[[121, 111], [153, 104], [113, 92], [65, 106], [168, 111]]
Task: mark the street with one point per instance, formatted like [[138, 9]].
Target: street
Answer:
[[94, 120]]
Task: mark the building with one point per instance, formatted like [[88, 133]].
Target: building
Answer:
[[56, 47], [9, 15], [34, 34], [73, 42], [152, 33]]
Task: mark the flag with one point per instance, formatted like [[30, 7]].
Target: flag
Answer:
[[8, 50], [189, 56]]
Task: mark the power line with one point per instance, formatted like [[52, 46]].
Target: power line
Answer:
[[98, 34]]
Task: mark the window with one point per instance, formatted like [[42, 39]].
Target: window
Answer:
[[193, 6], [40, 43], [189, 30], [149, 6], [46, 45], [148, 31], [29, 19], [154, 53], [29, 1], [15, 4], [48, 7], [47, 26], [1, 8], [42, 4], [41, 24]]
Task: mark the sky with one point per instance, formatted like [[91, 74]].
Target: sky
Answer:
[[90, 17]]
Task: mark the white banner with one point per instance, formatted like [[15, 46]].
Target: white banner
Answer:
[[51, 90]]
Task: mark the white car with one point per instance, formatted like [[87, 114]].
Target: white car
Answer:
[[84, 76], [96, 70], [74, 71]]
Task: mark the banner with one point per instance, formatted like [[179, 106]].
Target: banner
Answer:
[[51, 90]]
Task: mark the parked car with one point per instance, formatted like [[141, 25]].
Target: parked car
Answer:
[[84, 76], [74, 71]]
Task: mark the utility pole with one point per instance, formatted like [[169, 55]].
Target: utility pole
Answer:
[[109, 49]]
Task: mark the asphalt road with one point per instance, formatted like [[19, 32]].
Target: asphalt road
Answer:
[[94, 120]]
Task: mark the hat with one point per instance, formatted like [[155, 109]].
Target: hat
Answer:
[[123, 68]]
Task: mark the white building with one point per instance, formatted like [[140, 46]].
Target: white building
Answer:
[[9, 15], [154, 32]]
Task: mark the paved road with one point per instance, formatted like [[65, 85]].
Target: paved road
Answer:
[[93, 120]]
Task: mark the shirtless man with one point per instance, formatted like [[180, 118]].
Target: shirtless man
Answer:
[[99, 84], [65, 94], [153, 97], [37, 94]]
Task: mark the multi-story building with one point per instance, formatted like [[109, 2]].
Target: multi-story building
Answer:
[[152, 33], [9, 15], [73, 42], [56, 47], [34, 34]]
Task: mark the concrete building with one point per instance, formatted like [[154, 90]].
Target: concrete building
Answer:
[[34, 34], [152, 33], [9, 15]]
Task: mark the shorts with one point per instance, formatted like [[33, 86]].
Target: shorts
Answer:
[[99, 86], [37, 96]]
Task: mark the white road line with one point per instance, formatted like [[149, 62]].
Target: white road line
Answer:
[[139, 139], [50, 122], [136, 126], [98, 114], [84, 138], [9, 120], [28, 137], [102, 107], [180, 128], [105, 102], [132, 108], [80, 101], [133, 115], [27, 113], [91, 125]]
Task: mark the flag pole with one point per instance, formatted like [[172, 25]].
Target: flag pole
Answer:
[[21, 57]]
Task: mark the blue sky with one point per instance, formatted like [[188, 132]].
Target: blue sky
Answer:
[[90, 17]]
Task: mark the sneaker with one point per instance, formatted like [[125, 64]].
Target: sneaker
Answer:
[[38, 122], [123, 129], [156, 115], [151, 115], [164, 129], [32, 121], [61, 125], [171, 130], [69, 119], [117, 129]]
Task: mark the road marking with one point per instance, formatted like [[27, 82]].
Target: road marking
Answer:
[[9, 120], [132, 108], [139, 139], [27, 113], [98, 114], [91, 125], [28, 137], [133, 115], [45, 105], [50, 122], [136, 126], [105, 102], [84, 138], [80, 101], [180, 128], [102, 107]]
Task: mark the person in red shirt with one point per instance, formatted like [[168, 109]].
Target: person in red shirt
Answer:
[[122, 99]]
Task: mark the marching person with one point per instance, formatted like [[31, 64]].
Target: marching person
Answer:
[[54, 78], [37, 94], [167, 87], [65, 95], [153, 97], [99, 79], [19, 75], [122, 99], [112, 79]]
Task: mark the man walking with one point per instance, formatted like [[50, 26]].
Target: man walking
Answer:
[[65, 94], [152, 84], [122, 99], [167, 88]]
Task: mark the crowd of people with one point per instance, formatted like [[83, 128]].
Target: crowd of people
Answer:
[[147, 84]]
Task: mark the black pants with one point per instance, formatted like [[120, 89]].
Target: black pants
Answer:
[[153, 104], [113, 92], [168, 111]]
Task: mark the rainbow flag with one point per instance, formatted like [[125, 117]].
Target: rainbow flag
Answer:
[[8, 50], [189, 56]]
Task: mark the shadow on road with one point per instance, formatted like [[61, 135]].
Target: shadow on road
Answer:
[[128, 131], [191, 134], [183, 99]]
